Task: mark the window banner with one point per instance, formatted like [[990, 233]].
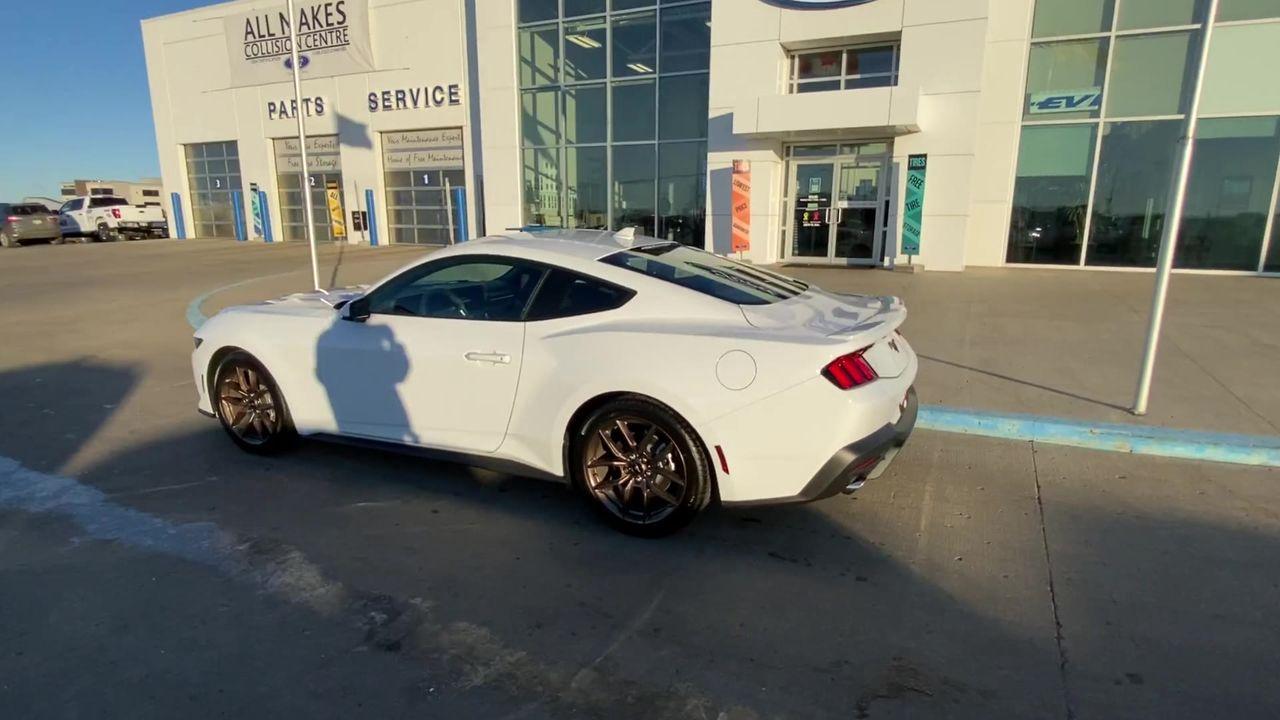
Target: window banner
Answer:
[[337, 221], [333, 39], [913, 218], [255, 208], [741, 199]]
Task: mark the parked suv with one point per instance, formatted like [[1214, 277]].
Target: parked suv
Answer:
[[27, 222]]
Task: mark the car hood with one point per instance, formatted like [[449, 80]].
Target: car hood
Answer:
[[303, 303], [317, 298], [826, 313]]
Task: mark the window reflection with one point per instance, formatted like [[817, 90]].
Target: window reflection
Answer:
[[1229, 193], [1051, 194], [586, 187], [1135, 170], [682, 177], [633, 188]]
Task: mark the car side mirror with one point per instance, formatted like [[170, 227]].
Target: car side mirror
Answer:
[[355, 310]]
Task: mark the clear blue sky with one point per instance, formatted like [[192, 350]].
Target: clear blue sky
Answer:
[[76, 103]]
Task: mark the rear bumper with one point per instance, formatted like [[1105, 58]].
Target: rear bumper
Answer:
[[866, 459], [853, 464]]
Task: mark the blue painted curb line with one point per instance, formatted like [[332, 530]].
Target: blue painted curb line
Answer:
[[1260, 450], [196, 316]]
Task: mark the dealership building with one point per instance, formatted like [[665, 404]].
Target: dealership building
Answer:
[[970, 132]]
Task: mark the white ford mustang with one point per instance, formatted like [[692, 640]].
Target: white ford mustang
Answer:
[[653, 376]]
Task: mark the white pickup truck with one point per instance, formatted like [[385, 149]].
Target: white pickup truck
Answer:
[[106, 218]]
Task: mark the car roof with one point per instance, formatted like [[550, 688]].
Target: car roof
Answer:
[[575, 249]]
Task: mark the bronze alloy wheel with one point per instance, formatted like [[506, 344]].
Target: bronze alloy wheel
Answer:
[[635, 469], [248, 405]]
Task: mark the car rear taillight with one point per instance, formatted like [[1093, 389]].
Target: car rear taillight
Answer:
[[115, 213], [12, 218], [850, 371]]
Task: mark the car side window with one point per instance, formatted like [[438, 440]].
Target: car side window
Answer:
[[566, 294], [72, 205], [494, 289]]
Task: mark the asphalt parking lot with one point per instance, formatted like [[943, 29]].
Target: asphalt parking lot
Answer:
[[150, 569]]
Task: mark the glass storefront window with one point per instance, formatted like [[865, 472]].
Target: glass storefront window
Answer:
[[1055, 18], [592, 87], [1139, 14], [1229, 10], [586, 177], [1064, 80], [1233, 173], [213, 173], [540, 117], [584, 115], [537, 10], [687, 93], [574, 8], [541, 173], [1051, 193], [686, 39], [539, 56], [634, 45], [1135, 170], [1272, 264], [634, 111], [682, 177], [633, 188], [585, 53], [1151, 75]]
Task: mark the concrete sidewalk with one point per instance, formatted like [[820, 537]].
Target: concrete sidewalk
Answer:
[[1068, 343]]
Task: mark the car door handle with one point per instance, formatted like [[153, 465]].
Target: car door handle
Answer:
[[489, 357]]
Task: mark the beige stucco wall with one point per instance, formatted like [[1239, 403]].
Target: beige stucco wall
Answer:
[[415, 43], [957, 99]]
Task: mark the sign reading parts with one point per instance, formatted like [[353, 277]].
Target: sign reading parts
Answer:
[[333, 39]]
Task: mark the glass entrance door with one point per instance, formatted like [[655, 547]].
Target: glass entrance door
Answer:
[[839, 206], [812, 187]]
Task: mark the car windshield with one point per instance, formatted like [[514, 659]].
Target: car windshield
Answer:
[[709, 274]]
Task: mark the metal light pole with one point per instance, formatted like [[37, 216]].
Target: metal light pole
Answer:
[[298, 112], [1173, 224]]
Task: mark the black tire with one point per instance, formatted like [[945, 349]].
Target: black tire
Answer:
[[265, 428], [105, 234], [633, 447], [6, 241]]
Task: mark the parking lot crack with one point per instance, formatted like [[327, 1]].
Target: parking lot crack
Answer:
[[1067, 703]]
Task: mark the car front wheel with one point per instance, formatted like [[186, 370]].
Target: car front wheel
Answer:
[[6, 241], [250, 406], [641, 467]]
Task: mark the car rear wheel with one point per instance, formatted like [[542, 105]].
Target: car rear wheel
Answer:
[[105, 234], [6, 241], [250, 406], [641, 467]]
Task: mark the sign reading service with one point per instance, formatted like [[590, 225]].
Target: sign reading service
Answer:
[[333, 39]]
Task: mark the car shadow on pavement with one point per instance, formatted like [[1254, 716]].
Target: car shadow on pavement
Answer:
[[344, 581]]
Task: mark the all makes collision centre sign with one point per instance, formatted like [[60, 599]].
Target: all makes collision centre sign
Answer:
[[333, 39]]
